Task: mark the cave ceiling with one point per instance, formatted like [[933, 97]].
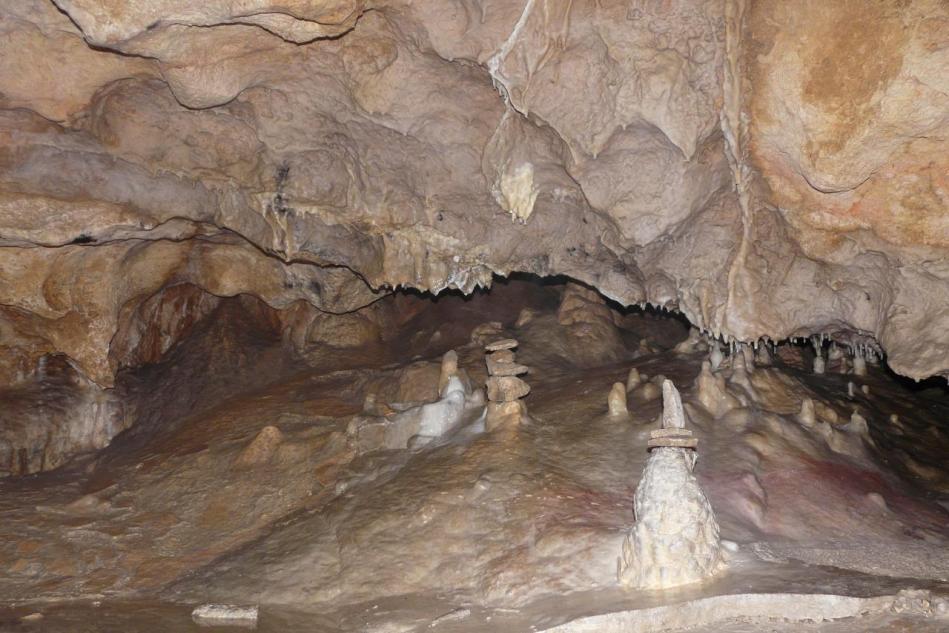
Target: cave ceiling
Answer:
[[770, 168]]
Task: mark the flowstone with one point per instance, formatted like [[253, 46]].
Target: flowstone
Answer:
[[675, 540]]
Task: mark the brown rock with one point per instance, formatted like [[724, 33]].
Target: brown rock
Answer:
[[261, 448], [505, 414], [503, 344], [502, 356], [506, 388], [505, 368]]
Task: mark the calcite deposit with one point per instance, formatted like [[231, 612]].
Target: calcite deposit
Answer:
[[675, 540]]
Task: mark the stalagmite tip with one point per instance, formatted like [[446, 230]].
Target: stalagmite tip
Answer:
[[672, 415]]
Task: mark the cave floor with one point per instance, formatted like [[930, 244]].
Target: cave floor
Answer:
[[520, 526]]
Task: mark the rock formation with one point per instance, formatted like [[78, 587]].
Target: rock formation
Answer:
[[616, 401], [504, 388], [675, 540]]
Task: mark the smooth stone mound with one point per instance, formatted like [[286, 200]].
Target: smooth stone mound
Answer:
[[261, 448]]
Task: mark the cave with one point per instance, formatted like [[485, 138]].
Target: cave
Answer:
[[474, 315]]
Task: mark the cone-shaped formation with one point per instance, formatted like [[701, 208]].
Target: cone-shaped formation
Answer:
[[808, 414], [449, 368], [859, 364], [504, 387], [673, 432], [715, 356], [633, 380], [675, 540], [712, 393], [617, 401]]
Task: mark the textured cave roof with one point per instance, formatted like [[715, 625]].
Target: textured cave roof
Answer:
[[770, 168]]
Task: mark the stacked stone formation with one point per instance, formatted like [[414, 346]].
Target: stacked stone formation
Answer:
[[503, 382], [504, 387]]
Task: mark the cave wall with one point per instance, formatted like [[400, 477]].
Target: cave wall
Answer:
[[769, 168]]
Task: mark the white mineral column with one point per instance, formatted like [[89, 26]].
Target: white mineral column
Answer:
[[675, 540]]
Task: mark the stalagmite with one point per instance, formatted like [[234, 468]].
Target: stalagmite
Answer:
[[617, 401], [851, 389], [633, 380], [859, 363], [449, 368], [858, 424], [834, 353], [820, 363], [763, 356], [749, 356], [675, 540], [712, 393], [715, 356], [807, 415], [740, 377]]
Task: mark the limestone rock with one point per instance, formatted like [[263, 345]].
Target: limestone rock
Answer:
[[593, 333], [504, 415], [501, 345], [486, 332], [506, 388], [498, 367]]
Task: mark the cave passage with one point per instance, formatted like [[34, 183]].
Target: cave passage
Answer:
[[344, 470]]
